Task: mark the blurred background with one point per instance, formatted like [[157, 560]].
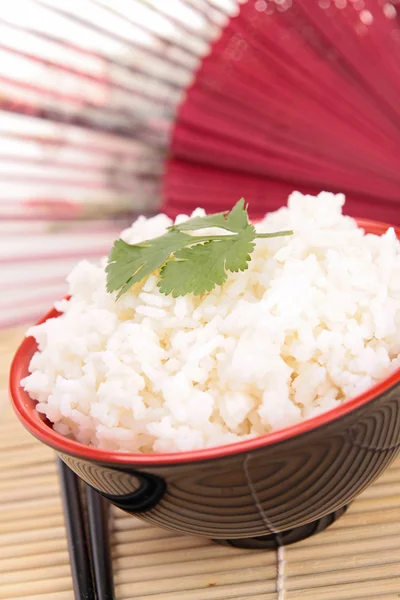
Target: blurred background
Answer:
[[88, 95], [114, 108]]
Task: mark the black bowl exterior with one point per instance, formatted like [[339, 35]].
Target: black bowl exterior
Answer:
[[271, 489]]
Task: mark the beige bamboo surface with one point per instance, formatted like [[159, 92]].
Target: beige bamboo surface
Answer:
[[357, 558]]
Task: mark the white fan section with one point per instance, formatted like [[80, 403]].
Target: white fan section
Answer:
[[88, 93]]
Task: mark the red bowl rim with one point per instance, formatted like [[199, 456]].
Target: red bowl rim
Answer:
[[22, 405]]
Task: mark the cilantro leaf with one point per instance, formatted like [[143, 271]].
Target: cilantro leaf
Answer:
[[128, 264], [197, 270], [235, 220], [200, 268], [237, 251], [238, 217], [216, 220], [187, 263]]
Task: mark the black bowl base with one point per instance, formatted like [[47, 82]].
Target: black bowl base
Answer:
[[284, 538]]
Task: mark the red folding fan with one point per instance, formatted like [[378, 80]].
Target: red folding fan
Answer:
[[295, 94]]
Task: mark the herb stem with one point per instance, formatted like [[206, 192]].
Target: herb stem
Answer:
[[211, 238], [274, 234], [217, 238]]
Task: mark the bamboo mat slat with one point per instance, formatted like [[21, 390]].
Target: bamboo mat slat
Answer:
[[357, 558]]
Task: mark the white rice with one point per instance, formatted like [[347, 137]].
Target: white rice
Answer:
[[314, 321]]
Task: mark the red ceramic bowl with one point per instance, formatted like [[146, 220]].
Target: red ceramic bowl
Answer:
[[259, 493]]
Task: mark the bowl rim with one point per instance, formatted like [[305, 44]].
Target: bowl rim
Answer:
[[23, 406]]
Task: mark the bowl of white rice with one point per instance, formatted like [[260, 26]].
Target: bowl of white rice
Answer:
[[253, 413]]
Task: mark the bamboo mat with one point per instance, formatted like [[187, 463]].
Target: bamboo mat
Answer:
[[357, 558]]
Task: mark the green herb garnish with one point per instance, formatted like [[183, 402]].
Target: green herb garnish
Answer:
[[188, 263]]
